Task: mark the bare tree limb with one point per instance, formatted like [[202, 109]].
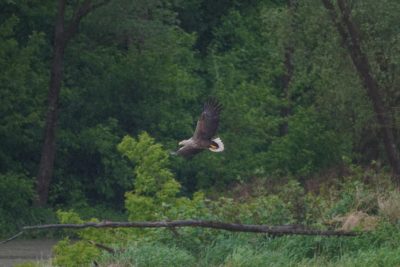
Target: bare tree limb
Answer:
[[233, 227], [11, 238], [85, 8], [103, 247]]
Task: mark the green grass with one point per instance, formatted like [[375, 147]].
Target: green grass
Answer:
[[380, 248], [151, 255]]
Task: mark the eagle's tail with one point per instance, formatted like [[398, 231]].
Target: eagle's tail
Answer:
[[217, 145]]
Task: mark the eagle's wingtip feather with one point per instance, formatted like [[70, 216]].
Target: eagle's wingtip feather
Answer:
[[213, 104]]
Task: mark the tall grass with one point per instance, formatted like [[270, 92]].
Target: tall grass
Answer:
[[379, 248], [151, 255]]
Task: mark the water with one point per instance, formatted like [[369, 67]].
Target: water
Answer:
[[19, 251]]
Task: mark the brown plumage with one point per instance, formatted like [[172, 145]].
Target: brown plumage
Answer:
[[206, 129]]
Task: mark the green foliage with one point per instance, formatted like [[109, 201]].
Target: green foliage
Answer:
[[271, 210], [307, 148], [93, 165], [140, 208], [242, 250], [355, 196], [102, 212], [151, 161], [16, 194], [155, 194], [21, 82], [241, 69], [91, 234], [76, 254], [144, 72], [16, 211], [151, 175], [149, 71], [201, 247]]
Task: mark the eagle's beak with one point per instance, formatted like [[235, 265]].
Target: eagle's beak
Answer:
[[213, 146]]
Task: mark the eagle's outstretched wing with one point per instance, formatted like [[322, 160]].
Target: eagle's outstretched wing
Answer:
[[188, 151], [207, 124]]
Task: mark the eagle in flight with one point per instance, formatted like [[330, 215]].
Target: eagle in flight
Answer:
[[204, 135]]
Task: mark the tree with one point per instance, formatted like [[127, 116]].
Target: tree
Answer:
[[62, 35], [289, 68], [351, 38]]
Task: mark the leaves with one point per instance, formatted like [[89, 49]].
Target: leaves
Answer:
[[148, 66]]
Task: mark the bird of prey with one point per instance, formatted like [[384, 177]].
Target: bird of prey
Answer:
[[204, 135]]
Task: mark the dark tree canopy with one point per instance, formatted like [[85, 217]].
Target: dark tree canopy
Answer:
[[307, 87]]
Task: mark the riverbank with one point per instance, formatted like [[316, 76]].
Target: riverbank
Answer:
[[20, 251]]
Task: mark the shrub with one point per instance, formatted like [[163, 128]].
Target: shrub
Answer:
[[389, 206], [155, 194], [308, 147], [74, 254], [16, 193]]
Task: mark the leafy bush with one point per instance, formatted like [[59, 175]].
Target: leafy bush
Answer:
[[16, 194], [308, 147], [74, 254], [155, 194], [91, 168]]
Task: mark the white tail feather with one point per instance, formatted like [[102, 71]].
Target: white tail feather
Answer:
[[220, 145]]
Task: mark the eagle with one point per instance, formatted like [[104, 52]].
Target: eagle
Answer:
[[204, 136]]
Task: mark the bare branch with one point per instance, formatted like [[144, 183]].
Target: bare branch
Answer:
[[84, 9], [103, 247], [233, 227], [11, 238]]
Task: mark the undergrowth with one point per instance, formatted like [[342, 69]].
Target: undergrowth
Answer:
[[364, 201]]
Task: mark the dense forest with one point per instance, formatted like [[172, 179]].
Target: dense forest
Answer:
[[96, 94]]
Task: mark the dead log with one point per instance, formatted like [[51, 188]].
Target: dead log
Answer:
[[232, 227]]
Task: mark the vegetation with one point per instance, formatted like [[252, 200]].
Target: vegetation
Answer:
[[95, 94]]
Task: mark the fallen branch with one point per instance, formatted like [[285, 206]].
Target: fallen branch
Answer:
[[233, 227], [11, 238], [103, 247]]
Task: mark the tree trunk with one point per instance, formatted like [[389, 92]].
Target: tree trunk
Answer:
[[287, 76], [351, 39], [62, 36], [46, 165]]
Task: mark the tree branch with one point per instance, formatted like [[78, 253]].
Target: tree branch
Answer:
[[103, 247], [11, 238], [233, 227], [84, 9]]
